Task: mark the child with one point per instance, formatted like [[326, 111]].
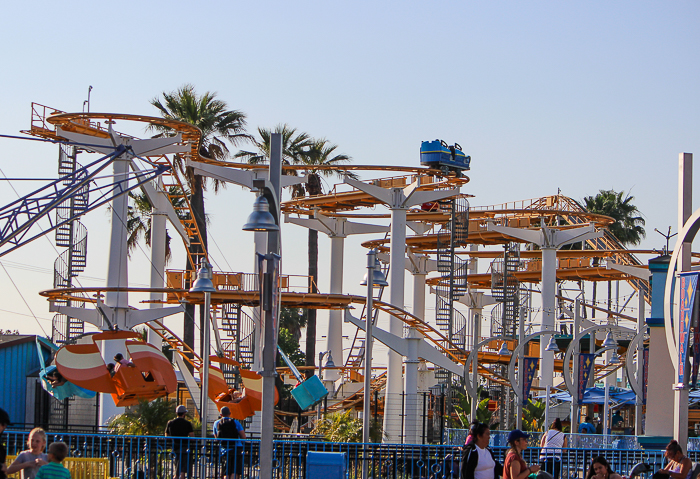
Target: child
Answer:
[[32, 459], [120, 361], [54, 469]]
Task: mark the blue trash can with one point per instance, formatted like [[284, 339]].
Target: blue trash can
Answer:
[[326, 465]]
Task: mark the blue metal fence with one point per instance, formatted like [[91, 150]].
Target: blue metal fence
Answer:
[[137, 457]]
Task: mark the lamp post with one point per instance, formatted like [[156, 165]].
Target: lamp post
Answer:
[[374, 278], [265, 217], [203, 284], [471, 384], [610, 344], [329, 364]]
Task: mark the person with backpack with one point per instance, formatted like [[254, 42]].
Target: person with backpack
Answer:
[[551, 449], [232, 450], [180, 429]]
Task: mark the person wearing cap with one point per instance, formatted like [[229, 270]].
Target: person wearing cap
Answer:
[[4, 422], [228, 428], [181, 427], [514, 466]]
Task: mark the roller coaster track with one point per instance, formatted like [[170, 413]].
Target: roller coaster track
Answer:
[[45, 120], [609, 242]]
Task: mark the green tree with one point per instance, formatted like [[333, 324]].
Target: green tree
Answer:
[[290, 346], [629, 224], [219, 126], [342, 427], [138, 223], [147, 418], [298, 148], [294, 144], [293, 320], [533, 415], [321, 153]]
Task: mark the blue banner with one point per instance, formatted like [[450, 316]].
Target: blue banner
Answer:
[[530, 367], [689, 282], [585, 366]]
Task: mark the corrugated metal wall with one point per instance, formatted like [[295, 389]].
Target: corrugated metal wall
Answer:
[[16, 362]]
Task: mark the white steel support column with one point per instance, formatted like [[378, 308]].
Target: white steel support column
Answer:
[[337, 230], [549, 285], [114, 312], [475, 301], [549, 240], [419, 265], [117, 276], [639, 406], [334, 334], [394, 382], [411, 411], [158, 221], [398, 200], [685, 201]]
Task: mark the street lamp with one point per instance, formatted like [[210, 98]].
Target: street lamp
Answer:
[[377, 280], [203, 284], [329, 364], [609, 344], [261, 219], [552, 346], [265, 217]]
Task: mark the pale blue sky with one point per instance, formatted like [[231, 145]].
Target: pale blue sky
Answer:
[[543, 95]]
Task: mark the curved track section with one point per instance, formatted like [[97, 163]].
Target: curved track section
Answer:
[[44, 123]]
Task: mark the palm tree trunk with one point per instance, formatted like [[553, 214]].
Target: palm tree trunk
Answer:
[[311, 313]]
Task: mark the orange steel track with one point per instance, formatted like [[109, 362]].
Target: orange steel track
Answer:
[[46, 119], [306, 300], [289, 299]]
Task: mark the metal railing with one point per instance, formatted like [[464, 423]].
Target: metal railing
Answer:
[[139, 457]]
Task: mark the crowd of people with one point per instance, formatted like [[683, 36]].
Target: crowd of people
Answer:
[[478, 461], [34, 463]]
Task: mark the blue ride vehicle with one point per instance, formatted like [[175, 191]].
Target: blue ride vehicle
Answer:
[[437, 154]]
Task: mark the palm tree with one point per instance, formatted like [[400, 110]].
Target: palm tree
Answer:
[[321, 153], [138, 223], [147, 418], [300, 149], [628, 227], [219, 126], [293, 145]]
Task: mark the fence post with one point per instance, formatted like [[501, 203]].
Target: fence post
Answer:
[[442, 416], [424, 418], [403, 415]]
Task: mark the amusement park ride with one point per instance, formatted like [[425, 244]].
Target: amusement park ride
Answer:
[[447, 235]]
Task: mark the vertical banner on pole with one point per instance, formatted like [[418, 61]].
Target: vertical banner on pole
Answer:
[[530, 367], [260, 340], [269, 282], [688, 285], [645, 364], [585, 366], [276, 295]]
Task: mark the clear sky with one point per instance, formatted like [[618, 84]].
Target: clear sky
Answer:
[[544, 95]]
